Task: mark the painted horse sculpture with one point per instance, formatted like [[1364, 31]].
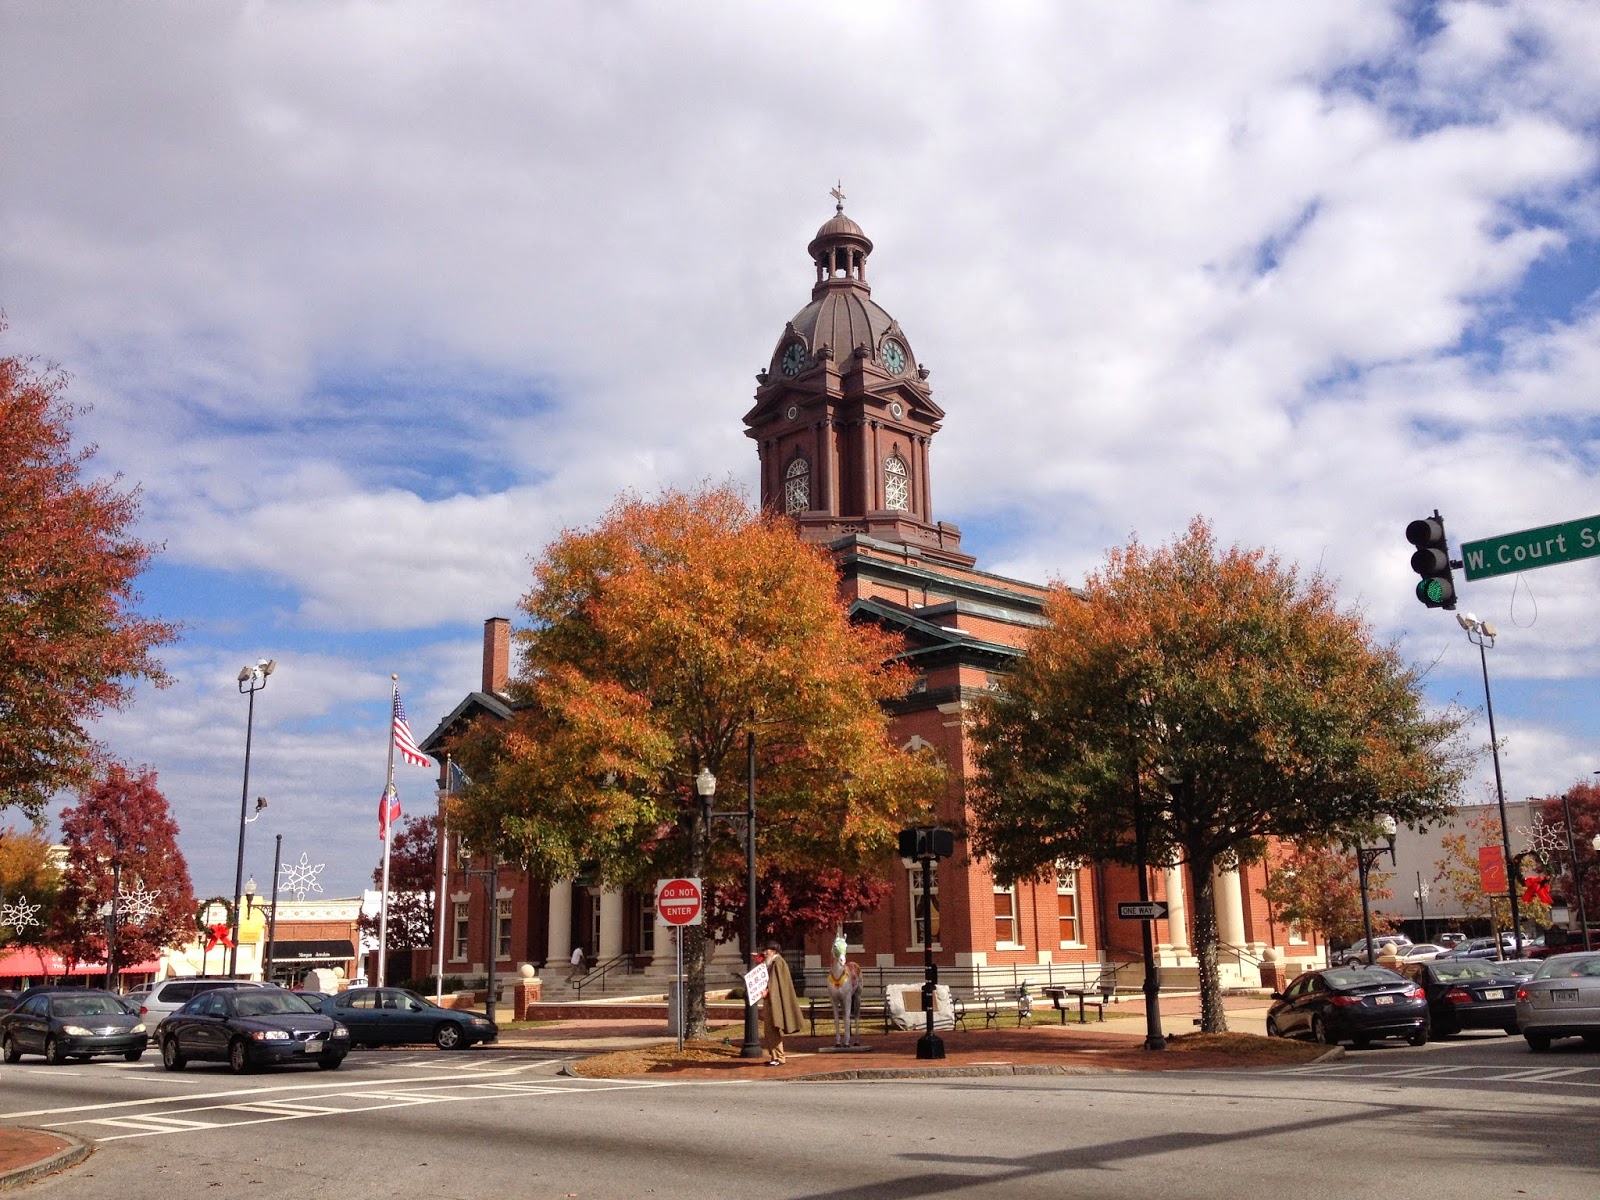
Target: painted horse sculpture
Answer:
[[844, 990]]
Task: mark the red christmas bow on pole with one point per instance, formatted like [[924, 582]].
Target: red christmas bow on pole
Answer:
[[1538, 889], [221, 935]]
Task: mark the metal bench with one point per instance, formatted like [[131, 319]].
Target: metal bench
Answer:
[[874, 1006], [992, 1002]]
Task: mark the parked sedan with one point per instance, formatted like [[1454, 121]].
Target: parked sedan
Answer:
[[1562, 1000], [251, 1027], [1467, 993], [1350, 1004], [1421, 952], [395, 1016], [72, 1023], [1357, 954]]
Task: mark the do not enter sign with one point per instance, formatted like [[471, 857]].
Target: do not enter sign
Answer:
[[679, 902]]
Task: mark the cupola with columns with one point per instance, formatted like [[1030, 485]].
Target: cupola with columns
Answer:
[[844, 415]]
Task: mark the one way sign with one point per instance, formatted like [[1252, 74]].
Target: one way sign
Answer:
[[1142, 910]]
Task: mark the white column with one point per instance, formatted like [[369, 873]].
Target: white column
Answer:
[[560, 930], [1177, 910], [610, 925], [1230, 908]]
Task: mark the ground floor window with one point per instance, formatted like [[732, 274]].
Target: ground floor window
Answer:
[[855, 931], [502, 931], [647, 924], [1005, 916], [458, 937], [1068, 932]]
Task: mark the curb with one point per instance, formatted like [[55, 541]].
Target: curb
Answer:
[[70, 1155], [871, 1073]]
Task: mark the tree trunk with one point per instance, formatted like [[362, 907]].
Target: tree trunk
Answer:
[[1212, 1017]]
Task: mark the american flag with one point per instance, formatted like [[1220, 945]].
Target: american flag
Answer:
[[403, 741]]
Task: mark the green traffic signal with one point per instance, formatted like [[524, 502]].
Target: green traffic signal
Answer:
[[1431, 560]]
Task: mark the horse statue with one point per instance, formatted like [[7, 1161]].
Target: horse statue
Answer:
[[844, 990]]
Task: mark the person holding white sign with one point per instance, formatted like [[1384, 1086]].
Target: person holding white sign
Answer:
[[780, 1008]]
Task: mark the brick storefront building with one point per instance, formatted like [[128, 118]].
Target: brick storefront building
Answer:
[[843, 423]]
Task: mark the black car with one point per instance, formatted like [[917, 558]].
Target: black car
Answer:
[[395, 1016], [1468, 993], [63, 1023], [1350, 1004], [251, 1027]]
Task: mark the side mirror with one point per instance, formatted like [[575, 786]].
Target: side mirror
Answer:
[[1277, 995]]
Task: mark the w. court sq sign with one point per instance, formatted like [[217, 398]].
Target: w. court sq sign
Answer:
[[1528, 548]]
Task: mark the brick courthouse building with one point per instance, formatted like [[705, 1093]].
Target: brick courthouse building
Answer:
[[843, 421]]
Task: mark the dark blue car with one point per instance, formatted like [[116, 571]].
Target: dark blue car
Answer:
[[251, 1027], [1350, 1004], [397, 1017]]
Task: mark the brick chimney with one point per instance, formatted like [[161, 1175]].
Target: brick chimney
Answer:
[[496, 655]]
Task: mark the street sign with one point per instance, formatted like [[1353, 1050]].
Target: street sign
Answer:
[[1529, 548], [1142, 910], [679, 902]]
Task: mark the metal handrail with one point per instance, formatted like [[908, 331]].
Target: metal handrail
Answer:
[[600, 971]]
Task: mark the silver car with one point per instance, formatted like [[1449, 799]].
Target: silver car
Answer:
[[1561, 1000]]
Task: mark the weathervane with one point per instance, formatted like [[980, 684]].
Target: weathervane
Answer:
[[836, 191], [300, 878]]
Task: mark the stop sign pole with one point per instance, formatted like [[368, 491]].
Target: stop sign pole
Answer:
[[680, 902]]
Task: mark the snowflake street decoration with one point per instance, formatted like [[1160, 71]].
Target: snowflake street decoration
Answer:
[[1545, 840], [300, 878], [20, 915], [138, 904]]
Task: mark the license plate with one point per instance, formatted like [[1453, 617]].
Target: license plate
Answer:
[[313, 1046], [1563, 995], [1495, 994], [1383, 999]]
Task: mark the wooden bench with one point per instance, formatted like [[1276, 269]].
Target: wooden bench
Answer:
[[1060, 995]]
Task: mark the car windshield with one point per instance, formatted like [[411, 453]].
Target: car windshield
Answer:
[[1449, 970], [1570, 966], [1349, 977], [267, 1002], [88, 1006]]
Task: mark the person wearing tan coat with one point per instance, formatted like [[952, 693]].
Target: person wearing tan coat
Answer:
[[780, 1007]]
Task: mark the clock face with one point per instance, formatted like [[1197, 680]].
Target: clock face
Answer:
[[794, 411], [896, 411], [894, 357], [793, 359]]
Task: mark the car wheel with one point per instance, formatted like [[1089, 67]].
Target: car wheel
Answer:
[[1361, 1041], [12, 1054], [330, 1062], [53, 1053], [1319, 1033], [1418, 1036], [239, 1057], [170, 1058], [447, 1036], [132, 1055], [1537, 1042], [1272, 1028]]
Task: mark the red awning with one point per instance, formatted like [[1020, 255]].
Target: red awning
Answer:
[[32, 960]]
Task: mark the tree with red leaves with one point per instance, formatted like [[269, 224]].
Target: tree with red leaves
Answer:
[[121, 835], [71, 644], [413, 880]]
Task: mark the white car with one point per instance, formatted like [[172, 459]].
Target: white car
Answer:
[[172, 994], [1561, 1000]]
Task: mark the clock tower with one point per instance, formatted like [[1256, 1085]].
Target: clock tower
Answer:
[[843, 413]]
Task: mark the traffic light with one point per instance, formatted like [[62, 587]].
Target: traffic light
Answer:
[[1437, 588], [924, 841]]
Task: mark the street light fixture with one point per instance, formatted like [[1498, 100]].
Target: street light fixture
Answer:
[[1482, 634], [705, 785], [1366, 856], [926, 844], [251, 681], [1421, 897]]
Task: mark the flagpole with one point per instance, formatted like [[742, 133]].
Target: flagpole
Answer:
[[388, 835], [442, 841]]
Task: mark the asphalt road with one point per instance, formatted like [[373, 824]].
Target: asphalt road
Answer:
[[1475, 1116]]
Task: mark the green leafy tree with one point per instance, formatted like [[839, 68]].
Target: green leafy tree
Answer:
[[1224, 694], [71, 642], [656, 643]]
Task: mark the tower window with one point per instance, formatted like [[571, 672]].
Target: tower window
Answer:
[[896, 486], [797, 487]]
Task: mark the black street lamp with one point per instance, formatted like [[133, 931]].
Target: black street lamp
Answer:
[[109, 911], [1154, 1038], [924, 844], [251, 681], [1421, 897], [1366, 856], [272, 911], [706, 787], [1482, 634], [490, 877]]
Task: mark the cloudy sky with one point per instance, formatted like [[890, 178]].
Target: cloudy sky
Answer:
[[372, 298]]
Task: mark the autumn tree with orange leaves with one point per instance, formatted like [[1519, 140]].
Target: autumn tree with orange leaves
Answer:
[[71, 642], [1227, 693], [1316, 885], [656, 641]]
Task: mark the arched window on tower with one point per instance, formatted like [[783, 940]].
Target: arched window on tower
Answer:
[[896, 484], [797, 487]]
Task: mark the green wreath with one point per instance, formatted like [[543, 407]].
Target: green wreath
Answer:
[[200, 924]]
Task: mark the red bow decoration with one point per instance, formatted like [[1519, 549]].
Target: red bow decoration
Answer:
[[1538, 889], [221, 935]]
